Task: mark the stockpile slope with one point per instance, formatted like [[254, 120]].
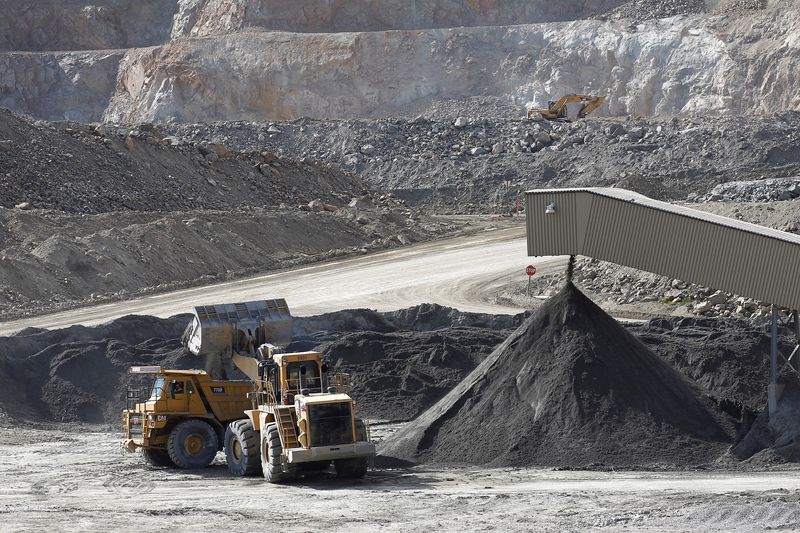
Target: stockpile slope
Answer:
[[570, 387], [106, 168], [80, 374]]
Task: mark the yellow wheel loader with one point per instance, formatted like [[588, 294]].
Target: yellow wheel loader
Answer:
[[183, 419], [570, 107], [302, 417]]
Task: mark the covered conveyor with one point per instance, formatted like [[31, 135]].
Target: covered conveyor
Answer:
[[630, 229]]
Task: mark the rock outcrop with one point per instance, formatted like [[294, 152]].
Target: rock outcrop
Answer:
[[61, 25], [703, 64], [221, 17], [243, 59]]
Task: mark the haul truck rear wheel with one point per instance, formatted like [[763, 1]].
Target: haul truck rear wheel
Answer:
[[192, 444], [271, 461], [156, 457], [242, 448]]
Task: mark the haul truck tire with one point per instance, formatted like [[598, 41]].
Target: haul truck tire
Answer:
[[271, 451], [242, 448], [193, 444], [351, 468], [156, 457]]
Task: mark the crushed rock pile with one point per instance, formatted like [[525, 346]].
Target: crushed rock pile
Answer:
[[765, 190], [428, 159], [776, 439], [52, 260], [80, 373], [640, 10], [102, 168], [570, 387]]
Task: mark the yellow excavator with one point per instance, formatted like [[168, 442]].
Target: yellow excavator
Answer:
[[302, 417], [583, 104]]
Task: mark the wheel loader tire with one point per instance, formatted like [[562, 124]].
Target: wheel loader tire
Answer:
[[351, 468], [156, 457], [242, 447], [271, 451], [192, 444]]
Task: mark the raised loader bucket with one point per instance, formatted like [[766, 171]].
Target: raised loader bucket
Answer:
[[216, 331]]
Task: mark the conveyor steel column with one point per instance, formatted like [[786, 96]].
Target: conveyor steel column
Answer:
[[774, 390]]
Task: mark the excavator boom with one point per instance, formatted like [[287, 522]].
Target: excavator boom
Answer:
[[559, 110]]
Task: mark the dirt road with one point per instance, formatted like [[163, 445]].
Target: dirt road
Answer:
[[462, 272], [80, 479]]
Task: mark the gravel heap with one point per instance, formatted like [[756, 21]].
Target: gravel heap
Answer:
[[81, 168], [571, 387], [768, 190], [475, 162], [640, 10], [401, 361]]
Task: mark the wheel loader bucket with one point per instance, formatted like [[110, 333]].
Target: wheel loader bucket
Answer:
[[216, 331]]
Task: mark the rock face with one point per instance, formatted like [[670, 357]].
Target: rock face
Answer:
[[84, 24], [678, 65], [219, 17], [569, 387], [59, 85]]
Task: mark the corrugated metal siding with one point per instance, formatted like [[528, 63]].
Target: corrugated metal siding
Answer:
[[557, 232], [628, 229]]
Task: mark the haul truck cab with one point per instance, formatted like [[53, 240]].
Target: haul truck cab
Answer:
[[181, 421]]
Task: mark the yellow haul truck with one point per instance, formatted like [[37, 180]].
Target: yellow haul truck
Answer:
[[301, 417], [183, 419]]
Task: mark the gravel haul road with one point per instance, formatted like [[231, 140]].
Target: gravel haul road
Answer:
[[100, 488], [462, 272]]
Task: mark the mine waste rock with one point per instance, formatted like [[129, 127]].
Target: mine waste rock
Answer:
[[571, 388]]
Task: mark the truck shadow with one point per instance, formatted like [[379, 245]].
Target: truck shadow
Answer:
[[388, 479]]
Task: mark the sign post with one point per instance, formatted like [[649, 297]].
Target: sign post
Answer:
[[530, 270]]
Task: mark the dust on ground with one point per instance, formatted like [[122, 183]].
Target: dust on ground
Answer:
[[80, 472]]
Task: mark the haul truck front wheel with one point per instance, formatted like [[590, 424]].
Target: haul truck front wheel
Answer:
[[192, 444]]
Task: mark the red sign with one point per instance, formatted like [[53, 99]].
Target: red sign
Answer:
[[530, 270]]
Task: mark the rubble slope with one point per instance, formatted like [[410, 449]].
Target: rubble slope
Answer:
[[569, 387]]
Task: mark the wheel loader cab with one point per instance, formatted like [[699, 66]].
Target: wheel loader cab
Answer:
[[299, 372]]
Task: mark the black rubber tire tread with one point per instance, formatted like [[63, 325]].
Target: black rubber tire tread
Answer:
[[351, 468], [180, 456], [271, 451], [156, 457], [250, 442]]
